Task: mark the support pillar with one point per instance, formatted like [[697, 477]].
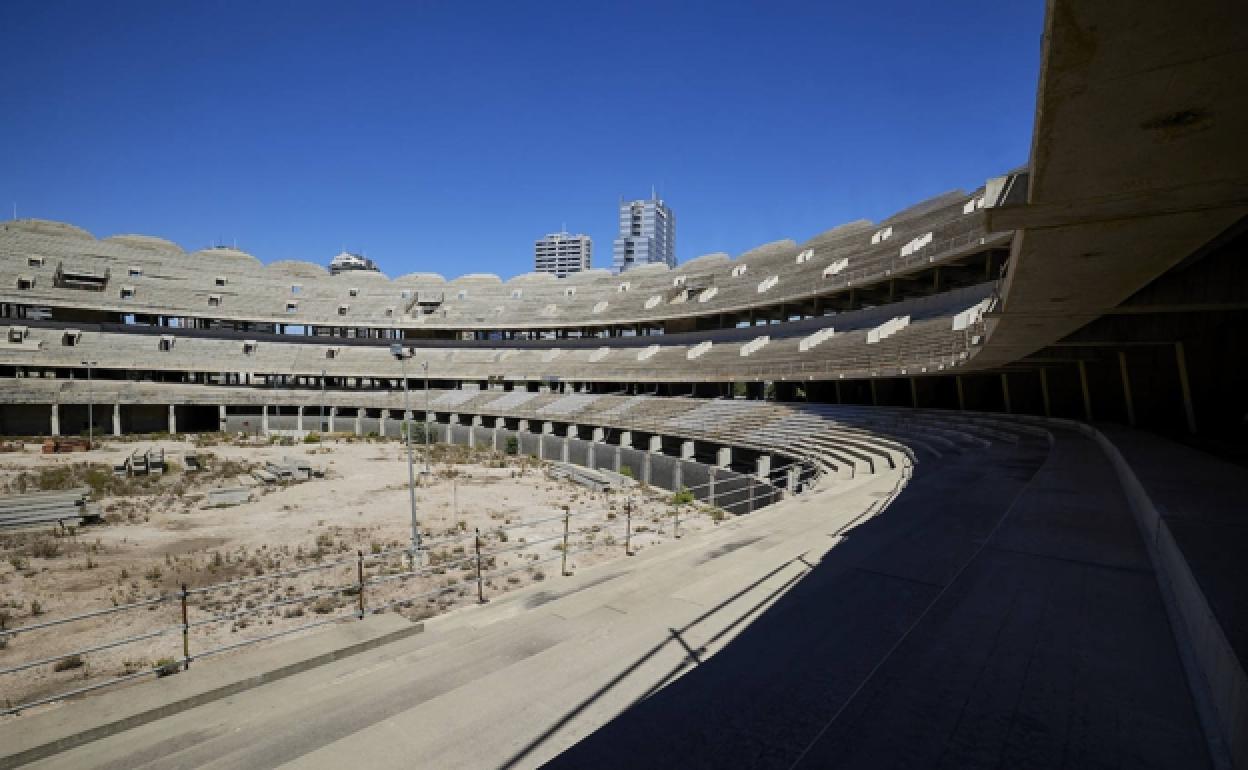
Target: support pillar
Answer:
[[599, 435], [763, 467], [1087, 394], [791, 479], [359, 421], [1185, 386], [626, 439], [914, 392], [656, 444], [1044, 391], [645, 468], [264, 419], [957, 379], [686, 450], [381, 422], [333, 413], [875, 400], [222, 422], [548, 429], [522, 426], [1126, 387], [723, 457], [299, 418], [173, 420], [1005, 392], [56, 419], [117, 419]]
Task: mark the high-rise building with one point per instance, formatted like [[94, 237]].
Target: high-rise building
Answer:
[[562, 253], [647, 234]]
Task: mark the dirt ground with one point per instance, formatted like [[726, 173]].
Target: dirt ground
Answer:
[[161, 532]]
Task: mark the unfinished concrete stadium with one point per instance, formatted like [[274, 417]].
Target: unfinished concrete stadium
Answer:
[[981, 467]]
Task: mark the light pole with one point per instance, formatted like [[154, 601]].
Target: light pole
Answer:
[[425, 365], [397, 351], [320, 427], [90, 406]]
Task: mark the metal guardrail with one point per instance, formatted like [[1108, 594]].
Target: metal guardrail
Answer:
[[477, 560]]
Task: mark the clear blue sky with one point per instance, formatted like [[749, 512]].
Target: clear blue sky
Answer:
[[447, 136]]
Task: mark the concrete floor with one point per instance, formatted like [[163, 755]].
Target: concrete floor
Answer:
[[1000, 613]]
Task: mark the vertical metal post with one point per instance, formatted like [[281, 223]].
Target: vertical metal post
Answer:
[[628, 528], [676, 524], [186, 633], [359, 565], [320, 428], [480, 588], [566, 515], [425, 364]]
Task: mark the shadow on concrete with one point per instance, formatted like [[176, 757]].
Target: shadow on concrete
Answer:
[[1001, 612]]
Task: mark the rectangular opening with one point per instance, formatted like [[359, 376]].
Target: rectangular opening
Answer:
[[292, 307], [71, 337], [34, 261], [166, 342], [26, 282], [127, 292], [134, 272], [249, 347], [220, 280], [214, 300]]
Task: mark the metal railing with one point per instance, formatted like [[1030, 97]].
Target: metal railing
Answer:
[[369, 571]]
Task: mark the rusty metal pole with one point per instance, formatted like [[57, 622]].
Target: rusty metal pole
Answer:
[[628, 528], [186, 633], [480, 589], [566, 515], [360, 576]]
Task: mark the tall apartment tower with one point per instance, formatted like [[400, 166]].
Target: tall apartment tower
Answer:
[[562, 253], [647, 234]]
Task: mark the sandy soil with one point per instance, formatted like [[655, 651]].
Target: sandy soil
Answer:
[[161, 532]]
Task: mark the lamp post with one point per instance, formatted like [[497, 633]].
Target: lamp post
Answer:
[[397, 351], [425, 365], [90, 406]]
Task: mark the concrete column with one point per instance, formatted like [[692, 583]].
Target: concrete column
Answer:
[[645, 468], [548, 428], [264, 419], [173, 420], [359, 421], [56, 419], [837, 383], [116, 419], [1087, 394], [1185, 386], [599, 435], [572, 432], [723, 457], [1044, 391], [299, 418], [1005, 392], [792, 479], [686, 450], [957, 380], [454, 419], [678, 476], [381, 422], [222, 422], [522, 426], [875, 400], [626, 439], [763, 467], [1126, 387], [333, 413], [656, 444], [710, 485], [914, 392], [477, 421], [564, 450]]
